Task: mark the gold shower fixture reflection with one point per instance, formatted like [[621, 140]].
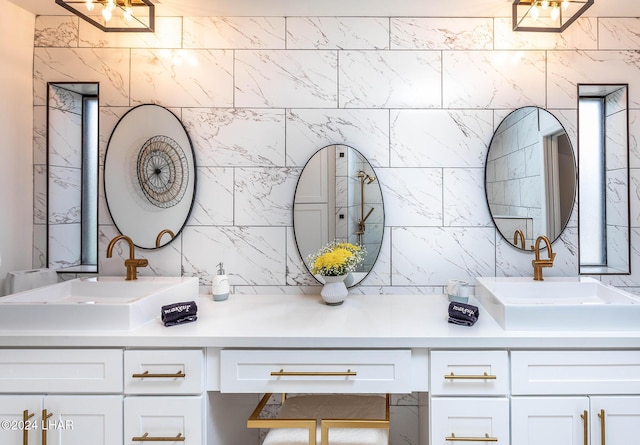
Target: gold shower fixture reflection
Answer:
[[365, 179]]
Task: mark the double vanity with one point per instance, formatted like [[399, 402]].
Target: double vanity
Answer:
[[573, 379]]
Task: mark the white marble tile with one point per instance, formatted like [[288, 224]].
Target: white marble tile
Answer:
[[297, 272], [617, 202], [616, 142], [493, 79], [565, 69], [365, 130], [39, 135], [186, 78], [634, 194], [264, 196], [56, 31], [390, 79], [618, 247], [292, 78], [167, 34], [234, 32], [412, 196], [39, 194], [582, 34], [619, 33], [39, 255], [380, 274], [404, 425], [108, 119], [213, 205], [441, 33], [251, 255], [65, 139], [109, 67], [64, 195], [228, 137], [634, 138], [440, 138], [433, 255], [337, 33], [634, 278], [64, 245], [464, 200]]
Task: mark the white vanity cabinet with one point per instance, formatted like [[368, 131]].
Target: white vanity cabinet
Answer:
[[61, 397], [164, 396], [575, 397], [469, 396]]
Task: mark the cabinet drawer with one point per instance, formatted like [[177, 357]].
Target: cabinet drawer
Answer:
[[469, 372], [469, 419], [160, 419], [54, 371], [575, 372], [164, 372], [318, 371]]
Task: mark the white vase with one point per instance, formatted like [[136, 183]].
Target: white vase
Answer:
[[334, 291]]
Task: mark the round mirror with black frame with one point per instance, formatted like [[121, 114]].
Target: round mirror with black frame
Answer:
[[149, 176], [338, 198], [530, 177]]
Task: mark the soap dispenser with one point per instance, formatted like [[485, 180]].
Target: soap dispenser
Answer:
[[220, 285]]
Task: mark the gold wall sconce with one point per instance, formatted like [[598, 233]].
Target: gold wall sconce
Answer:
[[114, 15], [547, 15]]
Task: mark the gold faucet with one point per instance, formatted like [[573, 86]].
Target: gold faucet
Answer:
[[518, 235], [132, 263], [538, 264], [162, 232]]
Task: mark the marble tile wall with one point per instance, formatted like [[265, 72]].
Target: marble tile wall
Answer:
[[420, 97]]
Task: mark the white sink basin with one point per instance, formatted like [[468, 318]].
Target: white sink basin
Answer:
[[109, 303], [522, 304]]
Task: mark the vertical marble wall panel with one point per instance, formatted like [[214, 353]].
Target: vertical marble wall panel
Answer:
[[582, 34], [365, 130], [186, 78], [296, 78], [441, 33], [234, 32], [337, 33], [40, 195], [390, 79], [39, 135], [56, 31], [493, 79], [65, 139], [619, 33], [109, 67], [227, 137], [167, 34]]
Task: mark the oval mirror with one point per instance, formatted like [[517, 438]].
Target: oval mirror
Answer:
[[149, 176], [338, 197], [530, 177]]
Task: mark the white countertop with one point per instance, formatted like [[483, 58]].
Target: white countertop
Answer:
[[304, 321]]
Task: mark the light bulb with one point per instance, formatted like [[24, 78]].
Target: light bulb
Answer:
[[555, 13], [545, 4], [535, 12], [565, 5], [90, 5], [128, 14], [106, 14]]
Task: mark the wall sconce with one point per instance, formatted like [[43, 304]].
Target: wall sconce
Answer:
[[547, 15], [114, 15]]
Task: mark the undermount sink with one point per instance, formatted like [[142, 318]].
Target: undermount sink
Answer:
[[109, 303], [522, 304]]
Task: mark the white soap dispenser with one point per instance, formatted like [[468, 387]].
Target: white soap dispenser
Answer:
[[220, 285]]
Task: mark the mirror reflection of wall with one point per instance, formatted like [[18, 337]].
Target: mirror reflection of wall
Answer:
[[72, 177], [530, 178], [338, 197], [603, 220]]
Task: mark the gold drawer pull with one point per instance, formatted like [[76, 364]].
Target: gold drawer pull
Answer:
[[602, 421], [484, 376], [45, 418], [25, 432], [486, 438], [147, 375], [146, 438], [585, 418], [283, 373]]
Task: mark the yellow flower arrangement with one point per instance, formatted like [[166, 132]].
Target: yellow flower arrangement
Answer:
[[336, 259]]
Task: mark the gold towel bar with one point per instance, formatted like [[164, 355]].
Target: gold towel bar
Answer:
[[146, 438], [283, 373], [146, 375]]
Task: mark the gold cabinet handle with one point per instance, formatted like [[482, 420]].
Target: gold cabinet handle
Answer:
[[148, 375], [25, 432], [283, 373], [486, 438], [146, 438], [45, 417], [484, 376], [602, 434], [585, 418]]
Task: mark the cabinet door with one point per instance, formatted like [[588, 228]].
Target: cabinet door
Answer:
[[82, 420], [20, 416], [467, 419], [550, 420], [614, 420], [159, 419]]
